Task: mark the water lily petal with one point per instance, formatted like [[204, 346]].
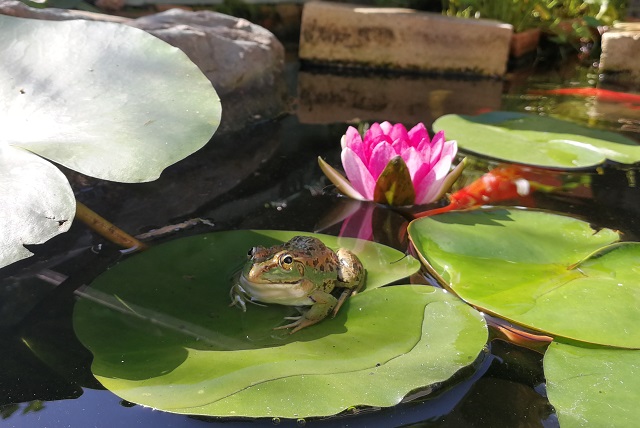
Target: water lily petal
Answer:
[[374, 131], [357, 173], [341, 183], [399, 133], [380, 157], [422, 187], [429, 188], [425, 167], [386, 127], [449, 149], [417, 135], [414, 160], [351, 137], [353, 140], [400, 146], [437, 144], [362, 150]]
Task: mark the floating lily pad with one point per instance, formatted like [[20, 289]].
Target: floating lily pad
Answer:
[[593, 386], [536, 140], [127, 106], [541, 270], [163, 335], [28, 214]]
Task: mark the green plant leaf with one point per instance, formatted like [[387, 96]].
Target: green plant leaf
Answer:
[[535, 140], [593, 386], [126, 106], [23, 196], [163, 335], [541, 270]]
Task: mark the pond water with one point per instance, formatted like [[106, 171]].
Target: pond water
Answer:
[[266, 177]]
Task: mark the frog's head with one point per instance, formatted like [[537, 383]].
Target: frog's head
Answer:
[[289, 273], [280, 267], [290, 263]]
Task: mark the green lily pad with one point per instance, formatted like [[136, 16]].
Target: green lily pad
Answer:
[[22, 176], [593, 386], [127, 106], [163, 335], [541, 270], [536, 140]]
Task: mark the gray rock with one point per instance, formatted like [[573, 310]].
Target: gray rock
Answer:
[[19, 9], [243, 61], [231, 52]]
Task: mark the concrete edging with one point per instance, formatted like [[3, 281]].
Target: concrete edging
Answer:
[[402, 39]]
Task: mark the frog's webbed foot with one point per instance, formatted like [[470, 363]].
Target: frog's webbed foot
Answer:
[[299, 323], [323, 303]]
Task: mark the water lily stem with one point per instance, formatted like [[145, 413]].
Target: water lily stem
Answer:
[[106, 229]]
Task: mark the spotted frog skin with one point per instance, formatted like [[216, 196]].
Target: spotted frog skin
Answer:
[[300, 272]]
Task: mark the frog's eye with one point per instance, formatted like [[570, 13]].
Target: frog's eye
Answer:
[[286, 261]]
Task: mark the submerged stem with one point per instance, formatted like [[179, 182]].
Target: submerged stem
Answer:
[[106, 229]]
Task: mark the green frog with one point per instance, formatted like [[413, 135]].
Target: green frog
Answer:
[[301, 272]]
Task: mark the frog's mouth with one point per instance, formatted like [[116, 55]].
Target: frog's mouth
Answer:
[[285, 293]]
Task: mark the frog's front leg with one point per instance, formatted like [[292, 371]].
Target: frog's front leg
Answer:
[[351, 275], [238, 297], [323, 303]]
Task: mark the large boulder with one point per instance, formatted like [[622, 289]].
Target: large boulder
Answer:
[[243, 61]]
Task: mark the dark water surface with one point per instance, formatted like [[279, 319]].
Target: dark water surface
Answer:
[[266, 177]]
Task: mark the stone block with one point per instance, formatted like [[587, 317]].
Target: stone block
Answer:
[[620, 59], [330, 98], [402, 39]]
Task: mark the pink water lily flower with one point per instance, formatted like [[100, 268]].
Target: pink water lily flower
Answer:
[[394, 166]]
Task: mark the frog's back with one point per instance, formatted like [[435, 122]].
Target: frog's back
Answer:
[[313, 253], [306, 246]]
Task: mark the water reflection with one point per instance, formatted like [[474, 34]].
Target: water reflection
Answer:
[[330, 98]]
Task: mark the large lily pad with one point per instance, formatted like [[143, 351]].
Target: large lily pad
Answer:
[[21, 197], [126, 106], [163, 334], [537, 269], [593, 386], [535, 140]]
